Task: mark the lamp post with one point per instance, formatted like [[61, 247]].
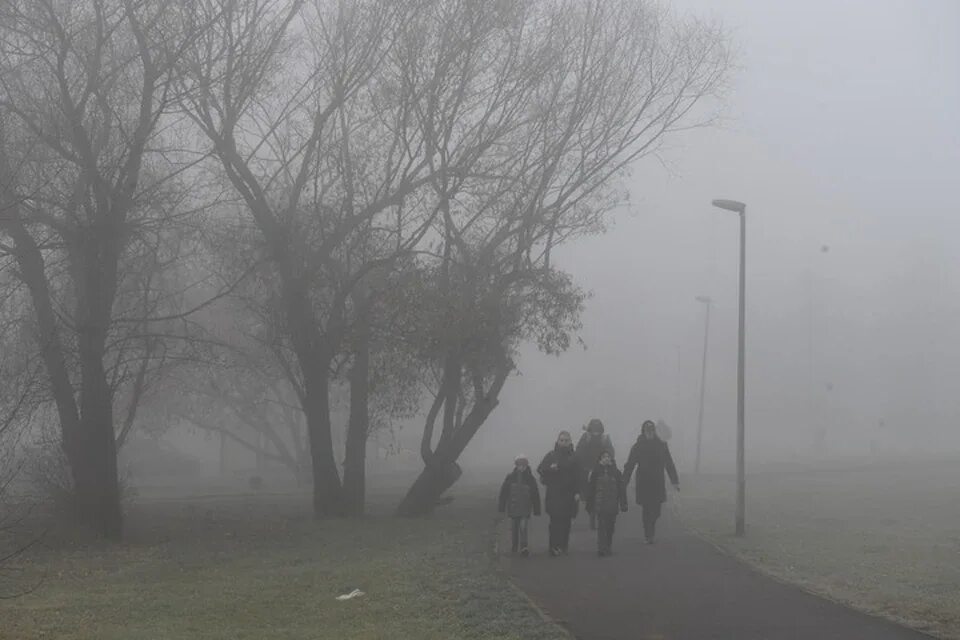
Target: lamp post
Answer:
[[741, 209], [817, 408], [703, 377]]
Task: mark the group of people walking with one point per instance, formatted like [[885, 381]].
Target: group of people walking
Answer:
[[588, 473]]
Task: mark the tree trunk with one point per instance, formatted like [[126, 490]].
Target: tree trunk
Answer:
[[433, 481], [87, 434], [94, 461], [327, 494], [441, 470], [314, 355], [95, 456], [354, 467]]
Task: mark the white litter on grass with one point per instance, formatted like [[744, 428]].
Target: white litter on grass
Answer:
[[356, 593]]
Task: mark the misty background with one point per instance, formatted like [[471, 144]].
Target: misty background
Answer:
[[250, 248], [841, 133], [842, 136]]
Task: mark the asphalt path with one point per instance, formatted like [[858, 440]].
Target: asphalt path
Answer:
[[680, 588]]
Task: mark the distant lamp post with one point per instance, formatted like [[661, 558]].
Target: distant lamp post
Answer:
[[706, 301], [820, 404], [741, 209]]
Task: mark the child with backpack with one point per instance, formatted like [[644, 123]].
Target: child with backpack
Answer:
[[606, 498], [519, 498]]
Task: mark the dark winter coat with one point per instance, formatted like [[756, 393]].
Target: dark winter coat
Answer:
[[520, 495], [607, 492], [651, 457], [589, 450], [562, 483]]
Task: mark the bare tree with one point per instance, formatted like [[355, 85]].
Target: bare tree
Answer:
[[382, 377], [84, 87], [359, 134], [619, 79], [266, 114], [311, 111]]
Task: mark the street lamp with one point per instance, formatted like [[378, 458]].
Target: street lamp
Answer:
[[741, 209], [817, 407], [703, 377]]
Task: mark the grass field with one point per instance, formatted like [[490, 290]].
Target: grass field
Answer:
[[261, 568], [884, 538]]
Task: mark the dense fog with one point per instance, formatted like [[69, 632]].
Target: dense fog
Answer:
[[840, 132], [324, 318], [842, 136]]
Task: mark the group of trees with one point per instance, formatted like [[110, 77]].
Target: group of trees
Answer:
[[254, 205]]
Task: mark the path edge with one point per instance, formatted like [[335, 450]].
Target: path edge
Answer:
[[776, 577], [500, 564]]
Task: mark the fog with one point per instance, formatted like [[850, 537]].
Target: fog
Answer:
[[842, 136], [267, 270], [840, 130]]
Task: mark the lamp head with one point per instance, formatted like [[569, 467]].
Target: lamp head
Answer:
[[731, 205]]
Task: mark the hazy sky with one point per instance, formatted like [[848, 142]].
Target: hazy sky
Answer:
[[842, 129]]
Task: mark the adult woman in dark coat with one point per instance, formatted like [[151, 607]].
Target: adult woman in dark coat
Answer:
[[560, 474], [651, 457]]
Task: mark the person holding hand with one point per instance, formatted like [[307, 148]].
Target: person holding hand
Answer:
[[606, 498]]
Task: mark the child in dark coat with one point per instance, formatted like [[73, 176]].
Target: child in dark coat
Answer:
[[519, 497], [606, 498]]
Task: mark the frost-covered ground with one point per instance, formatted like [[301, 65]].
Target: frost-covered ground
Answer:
[[882, 536]]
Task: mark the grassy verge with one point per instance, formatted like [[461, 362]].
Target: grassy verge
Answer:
[[257, 568], [883, 539]]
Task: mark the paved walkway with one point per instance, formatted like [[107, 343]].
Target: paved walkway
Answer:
[[680, 588]]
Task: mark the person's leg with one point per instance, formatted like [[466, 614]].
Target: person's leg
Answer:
[[524, 527], [654, 516], [554, 535], [647, 521], [514, 534], [602, 535], [611, 526], [592, 517], [608, 522], [565, 534]]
